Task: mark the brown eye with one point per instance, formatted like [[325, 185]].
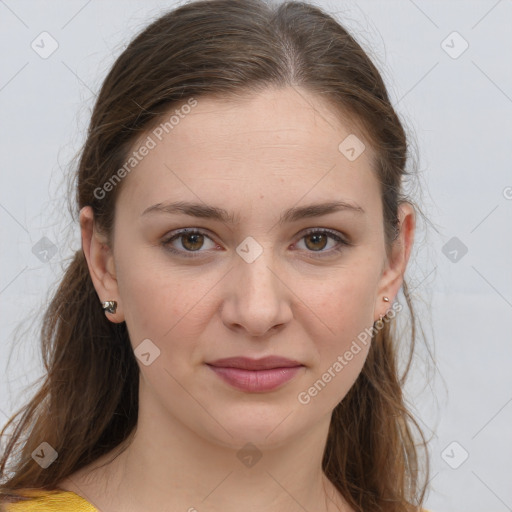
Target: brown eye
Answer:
[[318, 241], [192, 241]]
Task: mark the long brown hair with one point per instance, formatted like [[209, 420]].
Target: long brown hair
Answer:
[[88, 402]]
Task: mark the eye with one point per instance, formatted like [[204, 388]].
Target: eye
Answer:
[[192, 240], [317, 239]]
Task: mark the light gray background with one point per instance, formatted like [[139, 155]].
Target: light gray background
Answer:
[[457, 110]]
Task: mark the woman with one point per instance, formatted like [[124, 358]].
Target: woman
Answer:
[[223, 339]]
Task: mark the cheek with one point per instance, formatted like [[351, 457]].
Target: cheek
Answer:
[[344, 312], [162, 303], [343, 307]]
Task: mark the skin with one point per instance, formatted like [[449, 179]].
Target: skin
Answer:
[[255, 157]]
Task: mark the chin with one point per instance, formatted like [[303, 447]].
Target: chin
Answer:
[[266, 425]]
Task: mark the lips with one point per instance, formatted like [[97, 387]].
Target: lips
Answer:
[[256, 375], [265, 363]]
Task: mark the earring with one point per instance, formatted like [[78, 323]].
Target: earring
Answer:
[[385, 299], [109, 306]]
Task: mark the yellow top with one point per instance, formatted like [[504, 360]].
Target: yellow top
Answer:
[[52, 501], [56, 501]]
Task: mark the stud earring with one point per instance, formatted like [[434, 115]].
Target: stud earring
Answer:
[[109, 306], [385, 299]]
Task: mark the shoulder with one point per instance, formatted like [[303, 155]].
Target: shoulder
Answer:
[[50, 501]]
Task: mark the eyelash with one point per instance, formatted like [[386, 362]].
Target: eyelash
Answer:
[[195, 254]]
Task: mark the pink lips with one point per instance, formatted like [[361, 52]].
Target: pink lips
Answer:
[[256, 375]]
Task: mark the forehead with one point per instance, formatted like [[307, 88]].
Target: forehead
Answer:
[[280, 144]]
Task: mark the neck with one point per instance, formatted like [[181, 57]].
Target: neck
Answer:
[[169, 466]]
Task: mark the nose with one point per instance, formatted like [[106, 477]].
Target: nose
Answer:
[[257, 298]]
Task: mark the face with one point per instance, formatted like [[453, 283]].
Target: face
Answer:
[[273, 277]]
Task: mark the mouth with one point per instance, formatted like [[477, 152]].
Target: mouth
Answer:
[[256, 375]]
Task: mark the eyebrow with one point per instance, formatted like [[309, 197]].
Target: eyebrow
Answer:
[[205, 211]]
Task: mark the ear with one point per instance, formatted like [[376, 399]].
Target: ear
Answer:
[[394, 269], [100, 260]]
